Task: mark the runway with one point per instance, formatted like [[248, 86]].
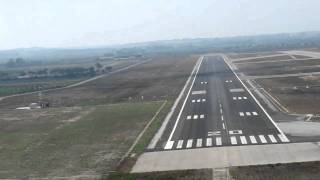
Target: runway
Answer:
[[218, 110]]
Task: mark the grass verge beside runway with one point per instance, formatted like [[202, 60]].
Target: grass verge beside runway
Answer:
[[293, 171], [203, 174]]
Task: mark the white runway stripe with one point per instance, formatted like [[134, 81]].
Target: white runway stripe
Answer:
[[248, 113], [201, 116], [198, 100], [241, 113], [203, 100], [189, 143], [209, 142], [262, 139], [188, 117], [180, 143], [169, 145], [193, 101], [255, 113], [239, 98], [234, 98], [283, 138], [195, 116], [218, 141], [233, 140], [253, 140], [243, 140], [244, 97], [199, 142], [272, 138]]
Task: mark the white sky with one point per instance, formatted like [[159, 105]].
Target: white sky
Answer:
[[80, 23]]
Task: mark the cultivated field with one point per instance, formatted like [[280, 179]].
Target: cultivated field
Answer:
[[17, 86], [299, 94], [89, 127], [282, 67], [251, 55]]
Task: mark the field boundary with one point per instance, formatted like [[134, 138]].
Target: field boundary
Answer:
[[77, 83]]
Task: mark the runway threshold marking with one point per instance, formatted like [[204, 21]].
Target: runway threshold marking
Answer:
[[170, 142], [189, 143], [209, 142], [243, 140], [218, 141], [253, 140], [199, 143], [180, 143], [262, 139], [258, 103], [233, 140], [272, 138], [283, 138]]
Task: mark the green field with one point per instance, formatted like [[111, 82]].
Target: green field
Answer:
[[64, 142]]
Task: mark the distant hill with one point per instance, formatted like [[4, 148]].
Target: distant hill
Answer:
[[269, 42]]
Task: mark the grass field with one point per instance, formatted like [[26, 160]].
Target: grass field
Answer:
[[18, 86], [250, 55], [263, 59], [294, 171], [159, 79], [298, 94], [284, 67], [69, 141], [88, 128]]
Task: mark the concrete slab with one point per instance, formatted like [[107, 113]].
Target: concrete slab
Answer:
[[221, 157]]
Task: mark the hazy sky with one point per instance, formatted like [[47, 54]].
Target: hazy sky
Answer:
[[79, 23]]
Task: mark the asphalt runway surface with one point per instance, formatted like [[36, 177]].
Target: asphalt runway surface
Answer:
[[220, 111]]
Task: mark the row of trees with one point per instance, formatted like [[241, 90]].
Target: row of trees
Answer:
[[64, 72], [69, 72]]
